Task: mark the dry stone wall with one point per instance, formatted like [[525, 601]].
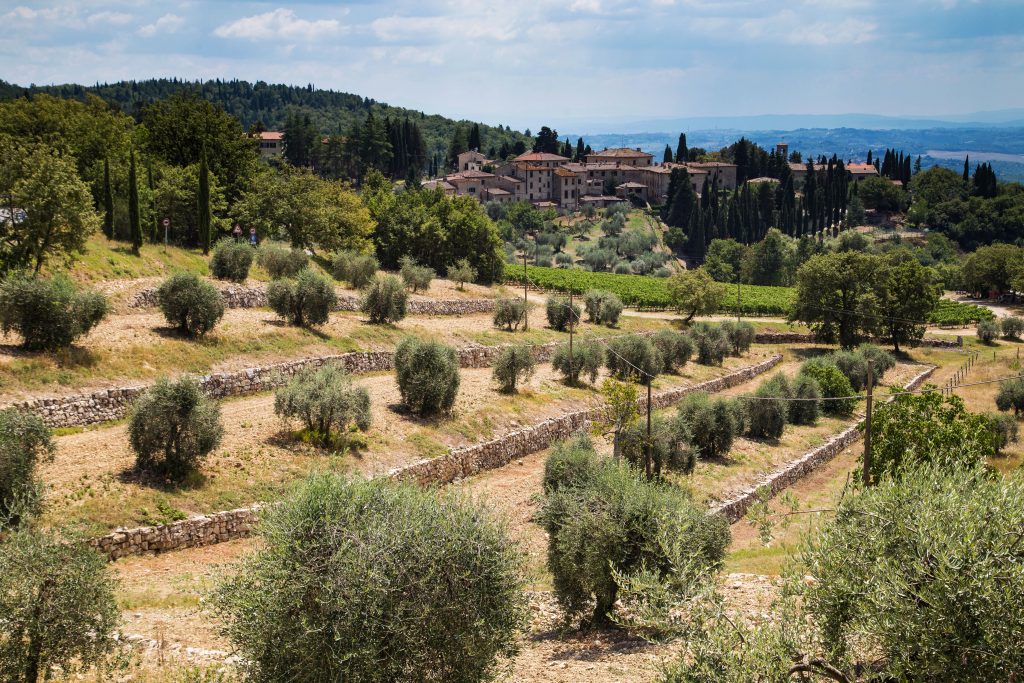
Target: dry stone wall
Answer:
[[241, 296], [802, 338], [457, 464], [771, 484]]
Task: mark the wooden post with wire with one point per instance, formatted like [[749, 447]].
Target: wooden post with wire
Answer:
[[739, 308], [526, 297], [572, 326], [867, 429], [649, 464]]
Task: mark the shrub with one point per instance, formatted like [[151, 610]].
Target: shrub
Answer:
[[280, 261], [354, 268], [1012, 326], [807, 409], [712, 424], [560, 314], [428, 375], [611, 526], [881, 360], [509, 313], [462, 272], [622, 268], [633, 358], [603, 308], [49, 314], [513, 365], [833, 385], [25, 443], [375, 581], [326, 402], [384, 300], [710, 342], [190, 303], [670, 446], [1004, 429], [768, 410], [231, 260], [563, 260], [1011, 396], [587, 358], [988, 330], [415, 276], [305, 300], [853, 366], [740, 334], [573, 463], [58, 606], [172, 427], [675, 349]]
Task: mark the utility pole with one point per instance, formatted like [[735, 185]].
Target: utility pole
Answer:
[[649, 463], [526, 298], [739, 308], [572, 326], [867, 431]]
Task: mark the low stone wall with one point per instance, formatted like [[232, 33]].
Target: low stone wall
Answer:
[[241, 296], [457, 464], [771, 484], [803, 338]]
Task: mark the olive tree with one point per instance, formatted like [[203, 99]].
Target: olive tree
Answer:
[[172, 427], [384, 300], [668, 446], [633, 358], [25, 444], [741, 335], [768, 409], [988, 330], [694, 292], [428, 375], [510, 313], [306, 300], [560, 314], [415, 276], [231, 260], [326, 402], [191, 304], [375, 581], [461, 272], [1011, 396], [280, 261], [712, 424], [710, 342], [675, 349], [355, 268], [49, 314], [603, 308], [586, 359], [513, 365]]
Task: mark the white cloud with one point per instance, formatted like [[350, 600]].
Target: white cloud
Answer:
[[279, 24], [447, 28], [29, 14], [168, 23], [109, 18]]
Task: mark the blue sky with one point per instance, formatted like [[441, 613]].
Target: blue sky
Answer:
[[527, 62]]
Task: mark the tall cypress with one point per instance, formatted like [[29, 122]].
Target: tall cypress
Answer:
[[204, 203], [667, 156], [474, 137], [580, 150], [108, 201], [967, 168], [155, 228], [682, 154], [134, 217]]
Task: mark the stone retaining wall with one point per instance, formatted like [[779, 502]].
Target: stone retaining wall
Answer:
[[458, 463], [803, 338], [771, 484], [241, 296]]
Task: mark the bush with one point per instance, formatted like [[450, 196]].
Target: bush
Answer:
[[172, 427], [881, 360], [587, 358], [1005, 430], [25, 443], [280, 261], [509, 313], [49, 314], [670, 446], [988, 330], [613, 524], [808, 408], [768, 410], [462, 272], [603, 308], [740, 334], [513, 365], [710, 342], [573, 463], [1012, 327], [306, 300], [415, 276], [375, 581], [853, 366], [384, 300], [633, 358], [560, 314], [354, 268], [1011, 396], [191, 304], [326, 402], [231, 260], [58, 606], [675, 349], [833, 385], [428, 375], [712, 424]]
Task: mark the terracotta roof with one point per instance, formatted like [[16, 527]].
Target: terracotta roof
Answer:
[[575, 167], [862, 168], [630, 185], [663, 170], [798, 168], [431, 184], [606, 166], [540, 156], [710, 164], [564, 172], [271, 135], [469, 175], [532, 167], [600, 198], [510, 179], [621, 152], [496, 190]]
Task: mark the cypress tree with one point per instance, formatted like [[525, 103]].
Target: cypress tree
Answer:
[[134, 216], [474, 137], [967, 170], [667, 157], [155, 228], [869, 157], [580, 150], [108, 201], [683, 201], [682, 154], [204, 203], [917, 164]]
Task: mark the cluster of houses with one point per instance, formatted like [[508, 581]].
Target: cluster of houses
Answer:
[[550, 180]]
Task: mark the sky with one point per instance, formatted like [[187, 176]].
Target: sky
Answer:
[[557, 62]]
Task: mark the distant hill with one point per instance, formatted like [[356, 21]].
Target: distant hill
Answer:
[[331, 111]]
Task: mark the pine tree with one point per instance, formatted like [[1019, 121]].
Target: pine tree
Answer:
[[204, 204], [108, 201], [682, 154], [134, 216], [667, 156]]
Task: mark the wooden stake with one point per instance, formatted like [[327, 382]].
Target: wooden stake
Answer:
[[867, 430]]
